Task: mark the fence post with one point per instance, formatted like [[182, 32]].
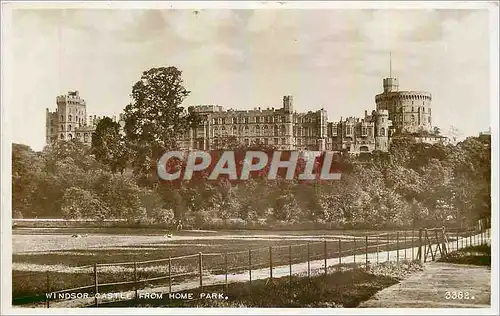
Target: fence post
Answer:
[[169, 275], [340, 254], [366, 251], [457, 241], [271, 262], [425, 245], [378, 249], [225, 271], [444, 244], [250, 265], [325, 254], [405, 245], [397, 247], [200, 269], [420, 253], [388, 247], [461, 240], [470, 240], [290, 260], [47, 299], [412, 244], [135, 281], [355, 250], [309, 260], [96, 286]]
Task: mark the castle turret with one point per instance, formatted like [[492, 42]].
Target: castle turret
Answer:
[[382, 125], [288, 103]]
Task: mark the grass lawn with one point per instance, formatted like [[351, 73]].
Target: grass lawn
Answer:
[[346, 288], [475, 255]]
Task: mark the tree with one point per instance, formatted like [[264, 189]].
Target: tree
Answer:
[[108, 145], [155, 120], [27, 176], [82, 204]]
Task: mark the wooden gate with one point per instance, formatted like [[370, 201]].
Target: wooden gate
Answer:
[[432, 242]]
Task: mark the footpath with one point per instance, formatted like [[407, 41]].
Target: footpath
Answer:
[[439, 285]]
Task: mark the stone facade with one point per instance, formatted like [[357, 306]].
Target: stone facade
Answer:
[[409, 111], [284, 128], [70, 121], [287, 129]]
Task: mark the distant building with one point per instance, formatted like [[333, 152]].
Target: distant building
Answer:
[[396, 113], [409, 111], [282, 128], [70, 121]]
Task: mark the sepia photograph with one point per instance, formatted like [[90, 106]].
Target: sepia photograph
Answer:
[[249, 157]]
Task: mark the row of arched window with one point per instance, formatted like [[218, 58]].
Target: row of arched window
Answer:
[[78, 135]]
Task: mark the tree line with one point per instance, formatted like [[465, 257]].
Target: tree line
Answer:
[[412, 185]]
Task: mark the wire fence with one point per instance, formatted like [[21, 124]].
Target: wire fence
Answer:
[[89, 284]]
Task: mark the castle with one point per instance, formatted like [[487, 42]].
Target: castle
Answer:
[[396, 112], [69, 120]]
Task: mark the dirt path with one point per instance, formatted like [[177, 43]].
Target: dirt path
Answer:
[[428, 288]]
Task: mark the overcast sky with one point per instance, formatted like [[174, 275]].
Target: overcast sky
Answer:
[[334, 59]]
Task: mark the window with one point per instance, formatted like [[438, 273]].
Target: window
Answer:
[[69, 117], [282, 141], [62, 128], [348, 130], [62, 136], [382, 131], [276, 131], [282, 130], [51, 130], [363, 131], [70, 136], [62, 118], [85, 137], [276, 141], [69, 127], [257, 130]]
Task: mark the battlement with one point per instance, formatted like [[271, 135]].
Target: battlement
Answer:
[[404, 95], [71, 97], [381, 112]]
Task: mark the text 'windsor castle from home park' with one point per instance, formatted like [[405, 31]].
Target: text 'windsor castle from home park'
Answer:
[[396, 112]]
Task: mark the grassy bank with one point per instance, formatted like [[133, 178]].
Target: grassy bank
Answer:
[[475, 255], [346, 287]]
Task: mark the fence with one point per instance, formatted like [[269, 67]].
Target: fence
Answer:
[[176, 274]]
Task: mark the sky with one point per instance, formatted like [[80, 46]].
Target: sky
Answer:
[[241, 59]]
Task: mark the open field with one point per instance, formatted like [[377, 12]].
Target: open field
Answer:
[[39, 254]]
